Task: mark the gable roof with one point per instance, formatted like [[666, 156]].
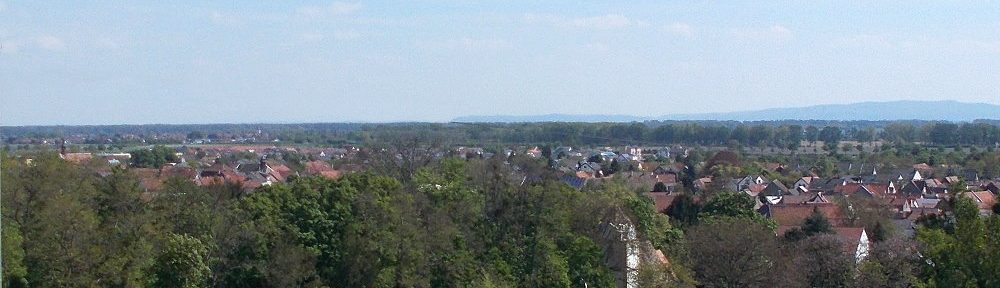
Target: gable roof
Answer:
[[775, 188], [983, 199], [854, 240]]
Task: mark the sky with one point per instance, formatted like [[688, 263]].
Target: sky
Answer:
[[177, 62]]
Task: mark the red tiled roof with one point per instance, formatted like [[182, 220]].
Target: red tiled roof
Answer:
[[666, 178], [662, 200], [878, 189], [851, 237], [315, 167], [983, 199], [796, 214], [333, 174], [145, 172]]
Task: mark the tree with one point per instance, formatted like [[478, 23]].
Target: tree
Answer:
[[182, 263], [879, 234], [613, 168], [14, 272], [816, 224], [684, 210], [723, 157], [830, 134], [659, 187], [733, 253], [967, 256], [154, 157], [823, 263], [733, 205], [890, 263]]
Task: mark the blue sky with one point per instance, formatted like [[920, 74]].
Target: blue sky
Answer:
[[125, 62]]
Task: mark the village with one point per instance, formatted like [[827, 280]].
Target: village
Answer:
[[786, 193]]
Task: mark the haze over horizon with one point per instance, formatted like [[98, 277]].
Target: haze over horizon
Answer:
[[83, 62]]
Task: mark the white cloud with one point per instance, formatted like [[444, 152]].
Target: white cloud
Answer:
[[51, 43], [3, 6], [680, 29], [335, 9], [773, 33]]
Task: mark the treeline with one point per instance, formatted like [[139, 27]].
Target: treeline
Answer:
[[725, 133], [786, 134]]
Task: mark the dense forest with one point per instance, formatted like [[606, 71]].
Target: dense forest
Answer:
[[439, 222]]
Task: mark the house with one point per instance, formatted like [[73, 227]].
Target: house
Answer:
[[534, 152], [666, 169], [992, 186], [869, 190], [804, 181], [635, 153], [855, 241], [590, 167], [702, 183], [662, 200], [666, 178], [774, 192], [931, 188], [574, 181], [322, 169], [984, 200], [745, 182], [796, 214], [804, 199]]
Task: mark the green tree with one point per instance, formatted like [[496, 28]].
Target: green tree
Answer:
[[14, 272], [823, 263], [659, 187], [182, 263], [734, 252], [891, 263], [965, 257], [816, 224], [684, 210], [733, 205]]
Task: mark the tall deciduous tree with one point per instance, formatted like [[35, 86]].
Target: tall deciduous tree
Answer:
[[182, 263], [733, 252]]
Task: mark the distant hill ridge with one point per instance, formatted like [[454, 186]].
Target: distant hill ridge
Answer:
[[872, 111]]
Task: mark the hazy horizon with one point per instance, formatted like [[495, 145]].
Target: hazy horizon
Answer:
[[76, 63]]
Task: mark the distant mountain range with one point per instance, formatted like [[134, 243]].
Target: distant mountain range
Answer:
[[872, 111]]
